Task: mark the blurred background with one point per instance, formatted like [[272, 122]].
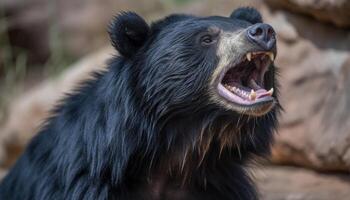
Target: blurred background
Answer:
[[47, 46]]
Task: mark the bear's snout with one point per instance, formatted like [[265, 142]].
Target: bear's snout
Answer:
[[263, 35]]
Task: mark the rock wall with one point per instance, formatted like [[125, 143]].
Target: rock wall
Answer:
[[314, 60], [332, 11], [72, 27], [30, 109], [293, 183]]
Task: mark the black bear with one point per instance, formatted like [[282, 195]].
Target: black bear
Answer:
[[177, 115]]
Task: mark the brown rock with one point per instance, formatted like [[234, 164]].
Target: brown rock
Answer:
[[29, 110], [72, 28], [290, 183], [333, 11], [314, 60]]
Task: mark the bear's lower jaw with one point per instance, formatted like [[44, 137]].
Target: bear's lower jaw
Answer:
[[242, 86], [241, 103]]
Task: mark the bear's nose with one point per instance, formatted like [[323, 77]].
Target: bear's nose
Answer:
[[263, 35]]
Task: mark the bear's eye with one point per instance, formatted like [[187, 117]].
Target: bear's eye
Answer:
[[207, 40]]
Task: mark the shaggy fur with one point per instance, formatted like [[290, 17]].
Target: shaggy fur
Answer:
[[145, 128]]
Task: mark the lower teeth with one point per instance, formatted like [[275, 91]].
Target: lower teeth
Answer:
[[238, 91], [252, 96]]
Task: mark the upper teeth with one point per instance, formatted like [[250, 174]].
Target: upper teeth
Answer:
[[249, 56], [270, 92], [272, 57], [270, 54]]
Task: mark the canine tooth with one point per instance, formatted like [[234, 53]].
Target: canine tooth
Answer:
[[272, 57], [249, 56], [270, 92], [252, 95]]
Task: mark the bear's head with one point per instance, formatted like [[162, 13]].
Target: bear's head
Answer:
[[187, 64], [201, 88]]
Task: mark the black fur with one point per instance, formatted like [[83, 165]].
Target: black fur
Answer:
[[248, 14], [128, 32], [145, 128]]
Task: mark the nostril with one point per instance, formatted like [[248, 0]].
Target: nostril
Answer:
[[262, 35], [258, 31], [270, 33]]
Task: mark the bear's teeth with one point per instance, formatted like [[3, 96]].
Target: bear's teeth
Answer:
[[238, 91], [234, 89], [230, 88], [272, 57], [249, 56], [252, 95], [242, 93], [270, 92]]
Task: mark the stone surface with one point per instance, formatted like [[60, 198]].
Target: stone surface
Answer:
[[333, 11], [314, 61], [290, 183]]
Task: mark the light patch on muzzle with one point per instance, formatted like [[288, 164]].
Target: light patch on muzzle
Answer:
[[230, 49]]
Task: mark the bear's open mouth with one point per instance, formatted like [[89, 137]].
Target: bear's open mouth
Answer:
[[243, 84]]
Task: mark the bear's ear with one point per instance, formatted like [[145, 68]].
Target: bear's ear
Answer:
[[248, 14], [128, 32]]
